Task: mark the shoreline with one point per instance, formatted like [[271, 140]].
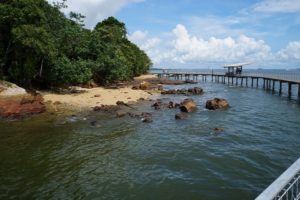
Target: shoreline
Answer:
[[87, 99]]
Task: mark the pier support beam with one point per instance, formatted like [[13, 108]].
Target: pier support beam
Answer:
[[273, 86], [280, 87], [257, 82], [299, 90], [290, 90], [264, 86]]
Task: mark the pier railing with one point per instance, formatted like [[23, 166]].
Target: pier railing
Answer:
[[285, 187], [295, 77]]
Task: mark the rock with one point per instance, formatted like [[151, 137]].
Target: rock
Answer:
[[160, 87], [188, 105], [97, 95], [181, 116], [134, 115], [141, 99], [217, 103], [157, 105], [10, 89], [95, 124], [191, 82], [195, 90], [171, 104], [219, 129], [21, 108], [146, 114], [135, 87], [145, 85], [146, 119], [121, 113], [106, 108], [121, 103]]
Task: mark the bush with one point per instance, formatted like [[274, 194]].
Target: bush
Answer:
[[68, 72]]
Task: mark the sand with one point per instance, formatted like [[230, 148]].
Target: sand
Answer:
[[98, 96], [146, 76]]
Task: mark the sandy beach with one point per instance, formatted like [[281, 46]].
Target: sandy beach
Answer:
[[97, 96]]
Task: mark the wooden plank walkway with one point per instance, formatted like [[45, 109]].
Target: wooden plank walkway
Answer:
[[269, 81]]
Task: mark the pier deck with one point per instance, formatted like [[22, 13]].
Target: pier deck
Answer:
[[269, 81]]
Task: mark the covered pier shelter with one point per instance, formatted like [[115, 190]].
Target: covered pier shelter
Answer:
[[235, 69]]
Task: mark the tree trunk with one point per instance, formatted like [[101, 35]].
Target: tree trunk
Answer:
[[41, 68]]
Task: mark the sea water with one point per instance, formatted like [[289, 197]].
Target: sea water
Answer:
[[59, 157]]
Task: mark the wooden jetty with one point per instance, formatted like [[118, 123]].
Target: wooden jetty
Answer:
[[268, 81]]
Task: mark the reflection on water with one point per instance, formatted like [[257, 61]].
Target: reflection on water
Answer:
[[98, 156]]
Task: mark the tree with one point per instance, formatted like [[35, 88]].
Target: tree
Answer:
[[39, 45]]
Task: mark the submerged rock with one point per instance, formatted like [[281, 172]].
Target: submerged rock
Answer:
[[217, 103], [181, 116]]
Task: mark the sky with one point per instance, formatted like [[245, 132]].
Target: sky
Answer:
[[205, 33]]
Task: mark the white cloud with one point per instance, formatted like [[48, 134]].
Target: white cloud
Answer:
[[96, 10], [291, 51], [196, 49], [180, 48], [278, 6]]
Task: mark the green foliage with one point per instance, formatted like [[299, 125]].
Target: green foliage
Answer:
[[65, 71], [39, 44]]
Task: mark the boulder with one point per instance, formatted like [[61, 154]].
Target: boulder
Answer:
[[217, 103], [121, 113], [196, 90], [188, 105], [10, 89], [21, 108], [157, 105], [181, 116], [145, 85]]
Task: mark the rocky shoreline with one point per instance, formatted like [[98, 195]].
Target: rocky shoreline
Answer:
[[116, 99]]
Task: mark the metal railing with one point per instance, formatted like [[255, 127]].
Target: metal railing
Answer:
[[285, 187]]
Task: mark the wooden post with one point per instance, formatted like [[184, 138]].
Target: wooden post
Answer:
[[298, 90], [242, 81], [257, 82], [290, 90], [246, 81], [251, 81], [232, 80], [273, 87], [236, 80], [280, 87], [264, 86], [205, 77]]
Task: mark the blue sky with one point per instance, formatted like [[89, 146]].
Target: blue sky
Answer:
[[206, 33]]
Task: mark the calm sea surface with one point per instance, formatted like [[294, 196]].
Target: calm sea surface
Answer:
[[56, 157]]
